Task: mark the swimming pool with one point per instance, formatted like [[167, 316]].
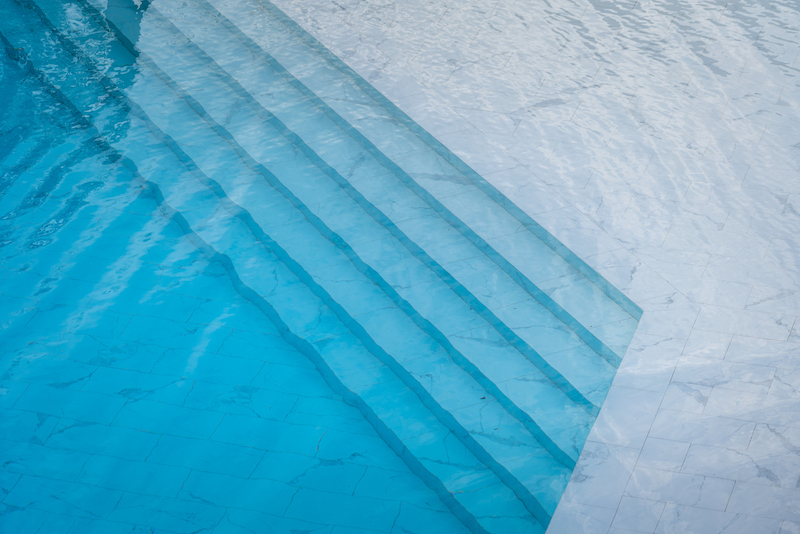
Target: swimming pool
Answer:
[[242, 292]]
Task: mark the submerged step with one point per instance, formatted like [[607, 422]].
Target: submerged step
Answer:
[[320, 192], [33, 166], [269, 202], [423, 220], [434, 446], [444, 177], [192, 204], [405, 213], [420, 317]]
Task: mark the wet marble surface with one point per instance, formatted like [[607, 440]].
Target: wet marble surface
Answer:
[[659, 140]]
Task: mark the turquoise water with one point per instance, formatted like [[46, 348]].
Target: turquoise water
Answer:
[[242, 292]]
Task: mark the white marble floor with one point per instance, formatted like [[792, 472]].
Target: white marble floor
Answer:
[[660, 141]]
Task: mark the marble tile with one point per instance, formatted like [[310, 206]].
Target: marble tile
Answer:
[[160, 417], [638, 515], [38, 461], [668, 323], [686, 397], [137, 477], [690, 490], [262, 495], [679, 519], [72, 404], [264, 434], [10, 391], [758, 407], [525, 189], [81, 500], [765, 352], [94, 438], [707, 344], [177, 515], [202, 455], [786, 382], [637, 417], [420, 518], [600, 463], [573, 517], [577, 232], [672, 263], [702, 428], [746, 323], [629, 274], [663, 454], [239, 519], [337, 510], [774, 299], [24, 426], [764, 501], [649, 363], [754, 466], [711, 372]]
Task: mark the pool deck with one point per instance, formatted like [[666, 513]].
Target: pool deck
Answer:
[[659, 141]]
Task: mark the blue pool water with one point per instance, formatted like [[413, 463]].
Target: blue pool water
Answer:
[[240, 291]]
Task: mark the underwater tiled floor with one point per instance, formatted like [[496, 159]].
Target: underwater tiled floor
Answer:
[[243, 292]]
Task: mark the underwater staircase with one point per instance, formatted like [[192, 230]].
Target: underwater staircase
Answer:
[[477, 345]]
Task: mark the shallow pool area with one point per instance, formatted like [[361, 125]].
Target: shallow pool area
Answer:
[[241, 291]]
